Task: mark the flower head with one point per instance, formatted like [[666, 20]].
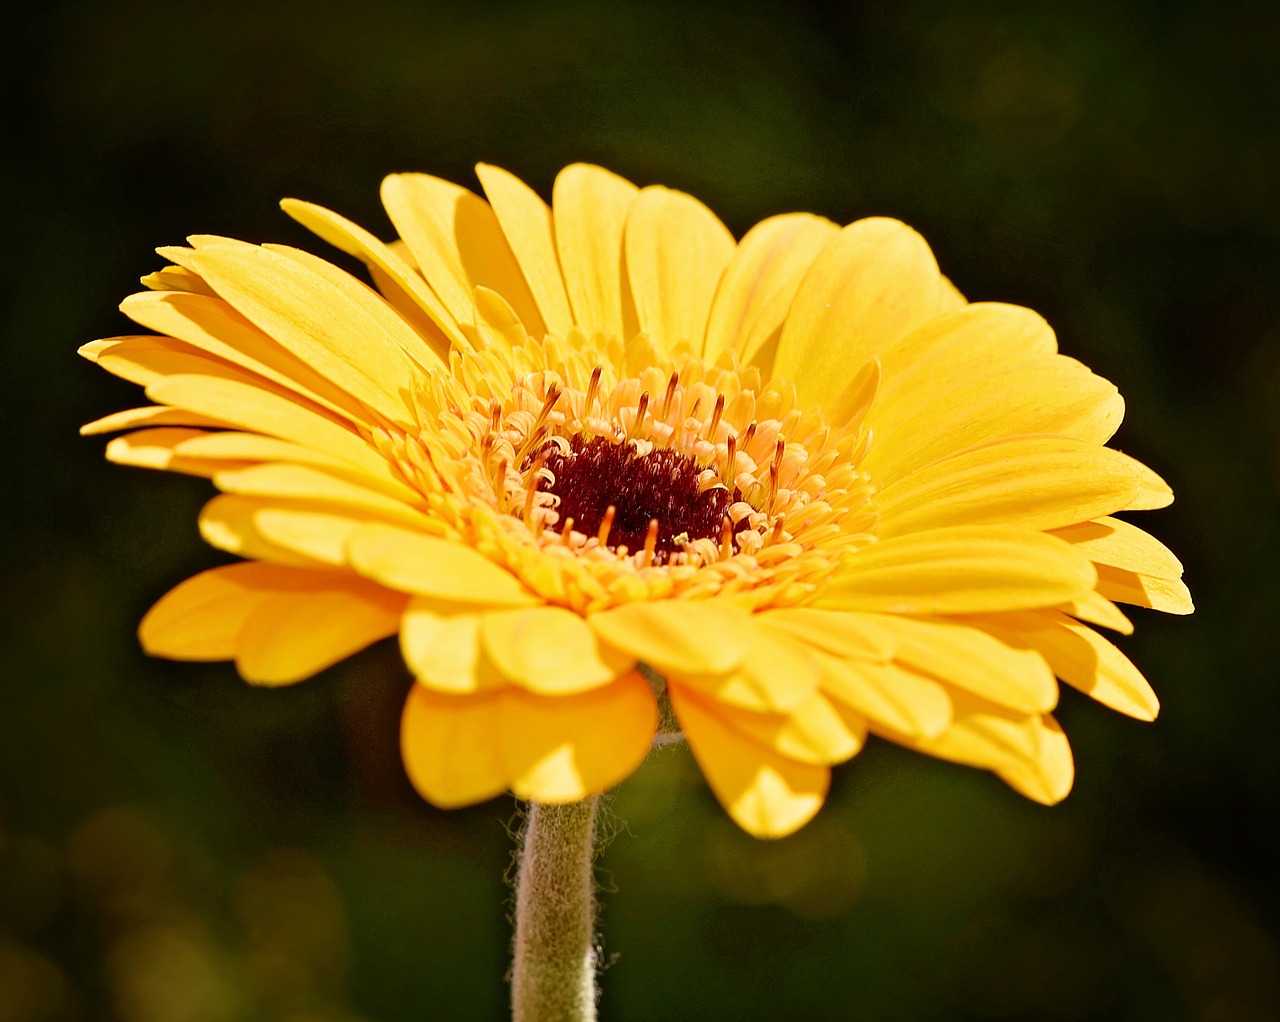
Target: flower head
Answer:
[[584, 457]]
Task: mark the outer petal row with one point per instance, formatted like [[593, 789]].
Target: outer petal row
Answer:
[[280, 624], [326, 318], [546, 650], [464, 749]]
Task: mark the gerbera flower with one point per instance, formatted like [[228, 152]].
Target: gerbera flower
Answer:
[[592, 458]]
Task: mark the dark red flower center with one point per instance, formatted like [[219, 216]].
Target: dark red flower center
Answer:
[[598, 474]]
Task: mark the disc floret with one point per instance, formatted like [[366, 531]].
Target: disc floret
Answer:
[[566, 469]]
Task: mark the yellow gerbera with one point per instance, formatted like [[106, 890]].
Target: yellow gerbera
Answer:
[[587, 457]]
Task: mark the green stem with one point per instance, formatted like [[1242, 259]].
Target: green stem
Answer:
[[554, 975]]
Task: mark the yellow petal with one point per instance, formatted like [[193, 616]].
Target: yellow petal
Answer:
[[1027, 751], [1054, 396], [231, 446], [678, 636], [564, 748], [458, 244], [278, 532], [777, 667], [549, 651], [739, 689], [416, 563], [968, 658], [222, 372], [979, 734], [143, 359], [526, 222], [889, 695], [264, 527], [811, 732], [1080, 657], [451, 747], [333, 323], [444, 651], [875, 281], [214, 327], [760, 281], [151, 415], [952, 298], [293, 635], [424, 311], [847, 636], [970, 340], [157, 448], [305, 483], [968, 569], [92, 349], [201, 618], [589, 207], [424, 356], [263, 411], [1154, 492], [766, 794], [851, 407], [497, 324], [1040, 482], [1166, 594], [1048, 776], [312, 530], [175, 278], [1121, 545], [775, 675], [676, 250], [1097, 610]]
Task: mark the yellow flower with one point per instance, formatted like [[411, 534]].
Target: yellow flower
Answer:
[[579, 457]]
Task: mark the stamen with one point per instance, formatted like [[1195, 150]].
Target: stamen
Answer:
[[495, 416], [531, 442], [532, 481], [567, 529], [777, 529], [606, 523], [774, 469], [726, 537], [731, 455], [650, 543], [715, 418], [748, 435], [671, 393], [641, 408], [590, 402], [553, 395], [540, 425]]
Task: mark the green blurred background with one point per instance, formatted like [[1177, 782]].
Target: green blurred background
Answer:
[[178, 847]]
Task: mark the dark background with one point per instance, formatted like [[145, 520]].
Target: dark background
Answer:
[[178, 847]]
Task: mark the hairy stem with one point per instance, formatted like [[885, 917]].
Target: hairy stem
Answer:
[[554, 975]]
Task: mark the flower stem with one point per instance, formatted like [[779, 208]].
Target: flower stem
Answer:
[[554, 975]]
